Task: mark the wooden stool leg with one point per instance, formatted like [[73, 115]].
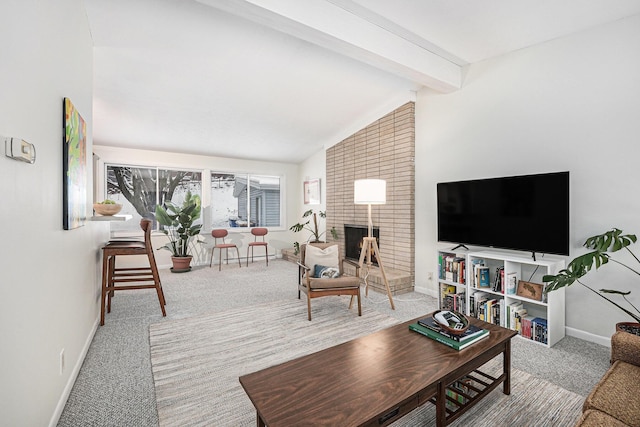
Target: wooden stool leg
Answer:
[[110, 283], [158, 285], [104, 286]]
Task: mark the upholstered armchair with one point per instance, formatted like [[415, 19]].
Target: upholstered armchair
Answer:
[[613, 401], [321, 274]]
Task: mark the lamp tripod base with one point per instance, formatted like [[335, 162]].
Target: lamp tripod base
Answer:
[[369, 249]]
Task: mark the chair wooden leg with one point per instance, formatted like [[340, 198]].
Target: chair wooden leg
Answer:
[[266, 254], [359, 305], [220, 260], [309, 305]]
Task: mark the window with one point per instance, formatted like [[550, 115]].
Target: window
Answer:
[[243, 200], [140, 189]]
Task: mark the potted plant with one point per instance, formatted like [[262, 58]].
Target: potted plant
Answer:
[[178, 226], [315, 231], [601, 246]]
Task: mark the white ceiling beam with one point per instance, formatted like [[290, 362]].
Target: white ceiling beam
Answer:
[[333, 27]]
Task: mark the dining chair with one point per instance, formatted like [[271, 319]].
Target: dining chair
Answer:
[[221, 234], [258, 240]]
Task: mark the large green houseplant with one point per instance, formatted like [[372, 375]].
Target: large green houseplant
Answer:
[[601, 247], [315, 230], [177, 222]]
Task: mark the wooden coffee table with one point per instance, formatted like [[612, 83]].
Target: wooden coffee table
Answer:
[[376, 379]]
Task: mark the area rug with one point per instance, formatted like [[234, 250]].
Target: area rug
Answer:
[[196, 363]]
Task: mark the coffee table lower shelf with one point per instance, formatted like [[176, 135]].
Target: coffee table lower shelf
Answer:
[[460, 396]]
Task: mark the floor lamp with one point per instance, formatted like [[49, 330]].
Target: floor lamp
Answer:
[[371, 192]]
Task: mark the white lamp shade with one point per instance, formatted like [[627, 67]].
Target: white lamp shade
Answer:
[[370, 192]]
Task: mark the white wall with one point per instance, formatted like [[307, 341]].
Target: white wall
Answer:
[[313, 167], [278, 238], [49, 289], [569, 104]]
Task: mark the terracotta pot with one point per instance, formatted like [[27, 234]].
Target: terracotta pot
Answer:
[[630, 327], [181, 263]]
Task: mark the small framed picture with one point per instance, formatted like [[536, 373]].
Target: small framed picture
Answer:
[[311, 190], [530, 290]]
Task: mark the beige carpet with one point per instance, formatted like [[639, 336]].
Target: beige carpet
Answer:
[[196, 363]]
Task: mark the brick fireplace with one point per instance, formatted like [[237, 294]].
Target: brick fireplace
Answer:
[[385, 149]]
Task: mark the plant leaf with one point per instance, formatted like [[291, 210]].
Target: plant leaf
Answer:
[[613, 291]]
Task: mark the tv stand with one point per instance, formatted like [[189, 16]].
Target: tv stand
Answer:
[[494, 300]]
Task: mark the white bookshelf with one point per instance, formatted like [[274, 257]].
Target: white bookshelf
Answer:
[[551, 307]]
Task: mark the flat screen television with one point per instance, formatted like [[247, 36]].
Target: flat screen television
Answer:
[[528, 212]]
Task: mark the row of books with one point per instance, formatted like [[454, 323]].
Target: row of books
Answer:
[[501, 283], [451, 268], [451, 299], [460, 391], [533, 328], [430, 328], [488, 308]]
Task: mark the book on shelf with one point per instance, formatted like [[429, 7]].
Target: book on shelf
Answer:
[[512, 283], [483, 277], [471, 332], [511, 313], [475, 263], [539, 330], [498, 283], [436, 336], [451, 268]]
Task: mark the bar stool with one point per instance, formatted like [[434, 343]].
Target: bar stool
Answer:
[[111, 276], [258, 232], [221, 233]]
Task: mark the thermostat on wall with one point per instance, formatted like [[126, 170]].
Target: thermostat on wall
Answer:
[[19, 149]]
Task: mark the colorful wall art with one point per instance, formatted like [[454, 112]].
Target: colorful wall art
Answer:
[[74, 168]]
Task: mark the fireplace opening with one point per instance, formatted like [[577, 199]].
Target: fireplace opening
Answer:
[[353, 235]]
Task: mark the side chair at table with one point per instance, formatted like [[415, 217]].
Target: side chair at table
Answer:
[[258, 240], [221, 234], [120, 278]]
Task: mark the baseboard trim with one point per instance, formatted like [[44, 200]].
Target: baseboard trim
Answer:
[[577, 333], [55, 418]]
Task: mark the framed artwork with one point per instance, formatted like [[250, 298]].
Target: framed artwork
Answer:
[[312, 192], [74, 168], [530, 290]]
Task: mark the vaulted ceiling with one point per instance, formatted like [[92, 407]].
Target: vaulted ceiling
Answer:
[[278, 80]]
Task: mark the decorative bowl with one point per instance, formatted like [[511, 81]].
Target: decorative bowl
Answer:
[[107, 209], [457, 325]]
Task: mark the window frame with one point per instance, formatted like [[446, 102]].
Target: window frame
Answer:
[[248, 177], [100, 187]]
